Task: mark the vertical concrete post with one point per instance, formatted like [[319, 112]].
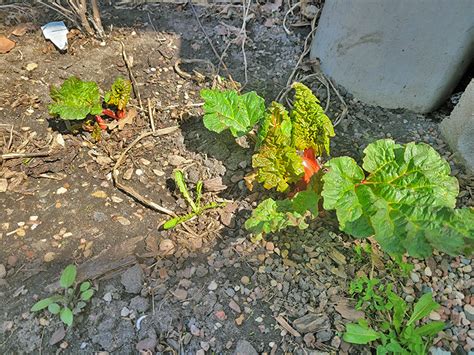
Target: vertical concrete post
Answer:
[[396, 53]]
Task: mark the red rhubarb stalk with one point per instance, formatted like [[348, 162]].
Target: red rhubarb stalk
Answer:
[[109, 113], [101, 122], [310, 164]]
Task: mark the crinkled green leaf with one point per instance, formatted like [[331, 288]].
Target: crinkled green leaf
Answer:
[[360, 334], [452, 230], [276, 125], [311, 127], [68, 276], [119, 93], [340, 190], [277, 163], [406, 200], [271, 216], [277, 167], [229, 110], [75, 99]]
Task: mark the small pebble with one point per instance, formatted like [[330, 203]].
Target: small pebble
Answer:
[[245, 280], [61, 191], [212, 286], [415, 277], [435, 316]]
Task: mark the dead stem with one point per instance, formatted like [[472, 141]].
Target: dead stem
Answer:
[[132, 77], [150, 115], [23, 155], [129, 190]]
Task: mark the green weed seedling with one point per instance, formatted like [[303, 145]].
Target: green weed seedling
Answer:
[[196, 207], [392, 323], [71, 302]]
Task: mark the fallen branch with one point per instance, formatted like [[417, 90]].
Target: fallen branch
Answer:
[[129, 190]]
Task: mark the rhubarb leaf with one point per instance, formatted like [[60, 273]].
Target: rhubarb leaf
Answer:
[[75, 99], [119, 93], [229, 110], [311, 127], [406, 199], [277, 163], [271, 216]]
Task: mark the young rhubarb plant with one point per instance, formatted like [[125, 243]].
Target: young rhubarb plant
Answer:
[[118, 96], [405, 198], [196, 207], [75, 99], [80, 100]]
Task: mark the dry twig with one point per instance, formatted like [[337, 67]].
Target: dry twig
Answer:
[[150, 115], [129, 190], [23, 155], [128, 64]]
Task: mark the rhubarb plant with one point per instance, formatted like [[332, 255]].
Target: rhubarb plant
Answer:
[[403, 195], [80, 101]]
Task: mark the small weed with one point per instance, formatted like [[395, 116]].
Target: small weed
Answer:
[[196, 207], [391, 322], [71, 302]]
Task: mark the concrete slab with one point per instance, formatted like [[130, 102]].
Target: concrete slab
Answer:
[[458, 129], [396, 54]]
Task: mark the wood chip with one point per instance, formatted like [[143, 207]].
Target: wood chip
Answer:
[[348, 312], [287, 327], [6, 45]]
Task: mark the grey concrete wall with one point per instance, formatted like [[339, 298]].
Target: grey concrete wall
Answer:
[[396, 53], [458, 129]]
